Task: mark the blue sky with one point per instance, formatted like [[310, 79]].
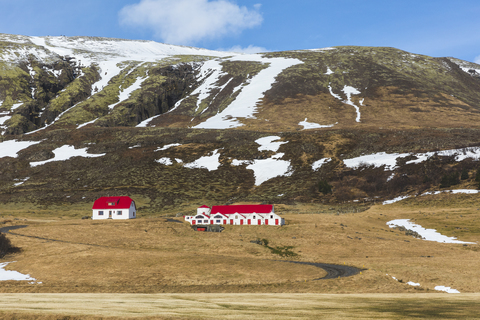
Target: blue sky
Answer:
[[432, 27]]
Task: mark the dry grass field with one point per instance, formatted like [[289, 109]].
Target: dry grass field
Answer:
[[238, 306], [162, 255]]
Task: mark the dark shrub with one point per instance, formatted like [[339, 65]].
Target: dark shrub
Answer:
[[6, 246], [324, 187], [449, 179]]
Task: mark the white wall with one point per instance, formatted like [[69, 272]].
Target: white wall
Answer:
[[130, 213]]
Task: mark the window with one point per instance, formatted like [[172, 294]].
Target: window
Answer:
[[218, 221], [271, 217], [119, 213], [199, 217], [100, 213], [111, 203], [199, 221], [205, 221], [218, 217]]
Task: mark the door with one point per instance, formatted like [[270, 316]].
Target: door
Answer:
[[276, 222], [249, 222], [259, 222], [194, 222], [109, 214], [231, 221], [241, 221], [266, 222], [224, 221]]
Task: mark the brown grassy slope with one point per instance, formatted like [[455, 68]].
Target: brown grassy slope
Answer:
[[154, 255]]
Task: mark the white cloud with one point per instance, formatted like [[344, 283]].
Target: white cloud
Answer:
[[189, 21], [250, 49]]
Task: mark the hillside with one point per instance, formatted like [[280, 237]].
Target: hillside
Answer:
[[176, 127]]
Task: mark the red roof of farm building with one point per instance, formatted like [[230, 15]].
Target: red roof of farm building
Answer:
[[204, 206], [112, 203], [243, 208]]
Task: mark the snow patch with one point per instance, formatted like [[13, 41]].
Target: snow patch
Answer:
[[269, 144], [245, 104], [348, 92], [427, 234], [211, 163], [6, 275], [395, 200], [168, 146], [165, 161], [11, 148], [125, 94], [319, 163], [389, 160], [86, 123], [65, 153], [446, 289], [21, 182], [312, 125]]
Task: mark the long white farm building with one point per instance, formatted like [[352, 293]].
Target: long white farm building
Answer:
[[261, 214]]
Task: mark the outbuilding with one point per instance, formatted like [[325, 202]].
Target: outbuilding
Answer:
[[114, 208]]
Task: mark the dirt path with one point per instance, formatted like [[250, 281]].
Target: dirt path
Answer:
[[333, 270]]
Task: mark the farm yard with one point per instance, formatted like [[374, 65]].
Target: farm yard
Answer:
[[157, 259]]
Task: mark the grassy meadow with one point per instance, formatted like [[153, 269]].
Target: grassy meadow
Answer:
[[160, 254]]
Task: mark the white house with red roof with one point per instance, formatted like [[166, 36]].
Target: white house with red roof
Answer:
[[245, 214], [114, 208]]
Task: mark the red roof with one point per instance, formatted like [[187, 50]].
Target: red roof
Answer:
[[112, 203], [204, 206], [243, 208]]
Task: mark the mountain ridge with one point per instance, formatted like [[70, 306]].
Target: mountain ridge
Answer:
[[126, 100]]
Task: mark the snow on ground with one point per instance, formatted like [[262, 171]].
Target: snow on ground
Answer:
[[396, 200], [348, 92], [456, 191], [438, 288], [389, 160], [168, 146], [21, 182], [16, 106], [269, 143], [266, 169], [446, 289], [312, 125], [65, 153], [86, 123], [245, 104], [165, 161], [319, 163], [329, 71], [427, 234], [125, 94], [6, 275], [11, 148], [208, 162], [210, 73]]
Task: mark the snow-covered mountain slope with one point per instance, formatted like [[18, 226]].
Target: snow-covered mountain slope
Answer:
[[83, 81], [81, 116]]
